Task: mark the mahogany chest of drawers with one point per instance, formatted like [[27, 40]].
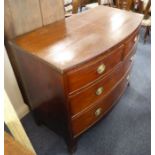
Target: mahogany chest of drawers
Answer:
[[72, 72]]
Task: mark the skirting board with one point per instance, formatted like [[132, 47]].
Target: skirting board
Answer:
[[23, 111]]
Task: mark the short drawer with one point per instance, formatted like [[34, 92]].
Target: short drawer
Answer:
[[90, 95], [129, 59], [92, 70], [130, 44], [87, 119]]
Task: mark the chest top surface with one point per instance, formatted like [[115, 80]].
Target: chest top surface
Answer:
[[72, 41]]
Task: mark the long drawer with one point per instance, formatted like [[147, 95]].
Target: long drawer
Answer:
[[83, 122], [89, 72]]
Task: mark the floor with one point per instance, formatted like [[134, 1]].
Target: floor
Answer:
[[126, 130]]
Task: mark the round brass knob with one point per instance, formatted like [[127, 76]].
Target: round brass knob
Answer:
[[98, 112], [136, 38], [132, 58], [101, 69], [128, 77], [99, 91]]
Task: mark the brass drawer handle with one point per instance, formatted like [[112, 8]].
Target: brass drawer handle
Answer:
[[136, 38], [101, 69], [128, 77], [98, 112], [99, 91], [132, 58]]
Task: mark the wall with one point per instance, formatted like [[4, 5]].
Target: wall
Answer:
[[21, 16], [12, 89]]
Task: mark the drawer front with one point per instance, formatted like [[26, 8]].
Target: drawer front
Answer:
[[95, 92], [87, 119], [129, 59], [92, 70], [130, 44]]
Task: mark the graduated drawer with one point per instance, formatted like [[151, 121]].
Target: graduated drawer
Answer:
[[131, 43], [87, 119], [95, 92], [92, 70]]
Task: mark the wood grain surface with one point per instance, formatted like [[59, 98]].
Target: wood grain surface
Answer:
[[78, 36]]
